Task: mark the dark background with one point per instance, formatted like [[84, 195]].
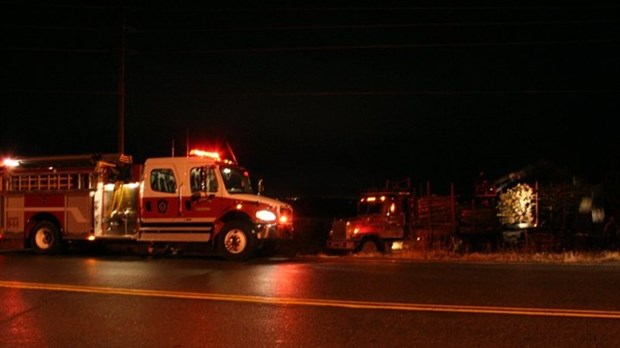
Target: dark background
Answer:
[[320, 98]]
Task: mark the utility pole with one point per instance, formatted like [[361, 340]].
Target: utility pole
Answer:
[[121, 89]]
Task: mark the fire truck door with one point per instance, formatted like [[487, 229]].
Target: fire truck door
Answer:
[[161, 198], [204, 202]]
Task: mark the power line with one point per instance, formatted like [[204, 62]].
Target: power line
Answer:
[[194, 10], [56, 50], [322, 27], [63, 6], [59, 28], [377, 26], [345, 93], [394, 46], [409, 93], [322, 48], [261, 8], [319, 27], [59, 91]]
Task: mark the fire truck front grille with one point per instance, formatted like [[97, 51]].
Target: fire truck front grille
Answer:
[[339, 230]]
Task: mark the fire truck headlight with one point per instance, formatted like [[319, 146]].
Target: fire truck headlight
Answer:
[[266, 215]]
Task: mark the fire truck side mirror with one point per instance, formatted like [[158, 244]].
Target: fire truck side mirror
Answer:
[[261, 187]]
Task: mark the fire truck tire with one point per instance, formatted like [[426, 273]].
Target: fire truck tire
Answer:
[[236, 242], [45, 238]]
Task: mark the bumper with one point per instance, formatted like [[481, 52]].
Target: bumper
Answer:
[[274, 231], [340, 244]]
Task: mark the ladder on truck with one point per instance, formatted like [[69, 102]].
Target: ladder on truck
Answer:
[[78, 172], [50, 181]]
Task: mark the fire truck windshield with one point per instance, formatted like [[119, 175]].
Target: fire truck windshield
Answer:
[[236, 179]]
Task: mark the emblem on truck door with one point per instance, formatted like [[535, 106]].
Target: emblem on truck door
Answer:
[[162, 206]]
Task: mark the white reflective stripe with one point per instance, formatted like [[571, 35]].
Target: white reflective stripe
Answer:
[[177, 228], [74, 211], [179, 220], [174, 237]]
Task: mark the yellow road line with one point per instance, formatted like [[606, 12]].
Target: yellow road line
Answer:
[[546, 312]]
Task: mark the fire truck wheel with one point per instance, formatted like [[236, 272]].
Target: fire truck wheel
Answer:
[[45, 238], [237, 243]]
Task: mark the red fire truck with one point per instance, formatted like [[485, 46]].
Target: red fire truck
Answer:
[[200, 202]]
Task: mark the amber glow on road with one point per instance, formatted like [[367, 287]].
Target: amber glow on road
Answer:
[[545, 312]]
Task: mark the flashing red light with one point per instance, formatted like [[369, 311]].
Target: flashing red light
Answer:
[[9, 162], [202, 153]]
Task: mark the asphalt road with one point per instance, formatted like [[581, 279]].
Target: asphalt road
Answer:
[[194, 301]]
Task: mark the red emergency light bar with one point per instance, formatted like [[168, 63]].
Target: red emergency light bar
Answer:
[[9, 162], [202, 153]]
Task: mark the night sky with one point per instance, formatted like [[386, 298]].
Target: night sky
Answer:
[[320, 98]]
